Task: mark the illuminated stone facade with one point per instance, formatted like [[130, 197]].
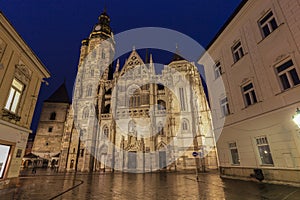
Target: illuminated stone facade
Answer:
[[130, 117]]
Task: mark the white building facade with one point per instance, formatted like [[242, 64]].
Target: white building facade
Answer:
[[257, 57]]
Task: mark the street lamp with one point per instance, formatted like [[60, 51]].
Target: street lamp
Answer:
[[296, 117]]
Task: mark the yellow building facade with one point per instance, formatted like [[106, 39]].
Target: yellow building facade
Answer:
[[21, 75]]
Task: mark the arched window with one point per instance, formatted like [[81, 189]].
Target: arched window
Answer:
[[185, 125], [161, 105], [53, 116], [89, 91], [135, 99], [92, 72], [103, 54], [105, 132], [94, 54], [160, 87], [160, 128], [106, 109], [85, 113]]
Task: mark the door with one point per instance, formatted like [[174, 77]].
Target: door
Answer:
[[132, 160], [162, 160]]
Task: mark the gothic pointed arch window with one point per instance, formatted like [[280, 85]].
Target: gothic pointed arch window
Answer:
[[185, 125], [103, 54], [135, 98], [85, 113], [105, 131], [106, 109], [89, 90], [53, 116]]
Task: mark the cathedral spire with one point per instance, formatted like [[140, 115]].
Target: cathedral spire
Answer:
[[118, 65], [177, 56], [151, 65], [117, 68]]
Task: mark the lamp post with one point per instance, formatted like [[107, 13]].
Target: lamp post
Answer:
[[296, 117]]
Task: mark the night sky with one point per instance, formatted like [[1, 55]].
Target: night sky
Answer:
[[54, 28]]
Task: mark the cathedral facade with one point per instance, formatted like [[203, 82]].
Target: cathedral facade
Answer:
[[133, 118]]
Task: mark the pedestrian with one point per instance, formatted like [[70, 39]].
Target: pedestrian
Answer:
[[33, 170]]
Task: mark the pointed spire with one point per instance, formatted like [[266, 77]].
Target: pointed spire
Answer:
[[105, 8], [151, 59], [133, 48], [60, 95], [177, 56], [152, 68], [147, 57], [118, 65]]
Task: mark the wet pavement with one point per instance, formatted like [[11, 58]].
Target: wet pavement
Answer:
[[51, 185]]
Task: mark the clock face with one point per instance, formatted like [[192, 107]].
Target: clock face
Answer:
[[97, 28]]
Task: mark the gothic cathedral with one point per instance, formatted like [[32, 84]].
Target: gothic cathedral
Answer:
[[133, 118]]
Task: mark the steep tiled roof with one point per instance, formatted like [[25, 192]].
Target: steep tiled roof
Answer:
[[60, 95]]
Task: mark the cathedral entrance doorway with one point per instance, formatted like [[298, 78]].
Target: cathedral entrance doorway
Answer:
[[132, 160], [162, 159], [103, 161]]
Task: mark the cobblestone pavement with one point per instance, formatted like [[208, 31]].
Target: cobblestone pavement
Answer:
[[144, 186]]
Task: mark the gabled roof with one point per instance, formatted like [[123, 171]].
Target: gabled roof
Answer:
[[133, 60], [60, 95]]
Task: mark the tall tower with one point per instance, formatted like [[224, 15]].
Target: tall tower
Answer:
[[51, 125], [94, 67]]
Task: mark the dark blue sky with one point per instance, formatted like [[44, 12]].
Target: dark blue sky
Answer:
[[54, 28]]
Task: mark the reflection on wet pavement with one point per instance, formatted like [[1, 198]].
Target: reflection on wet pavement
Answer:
[[144, 186]]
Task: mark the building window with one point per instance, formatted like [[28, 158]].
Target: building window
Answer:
[[14, 96], [264, 151], [225, 107], [92, 72], [218, 70], [53, 116], [50, 129], [19, 153], [185, 125], [268, 24], [89, 91], [105, 132], [182, 99], [85, 113], [237, 51], [82, 152], [234, 153], [135, 99], [249, 94], [103, 54], [288, 75]]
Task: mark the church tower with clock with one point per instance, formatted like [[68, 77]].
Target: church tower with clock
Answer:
[[96, 54]]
